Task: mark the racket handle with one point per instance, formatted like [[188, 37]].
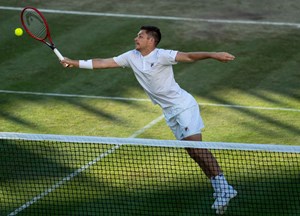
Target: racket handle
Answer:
[[58, 54]]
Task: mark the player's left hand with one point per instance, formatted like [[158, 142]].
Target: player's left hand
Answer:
[[224, 56]]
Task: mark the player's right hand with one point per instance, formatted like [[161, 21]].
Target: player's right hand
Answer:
[[66, 62]]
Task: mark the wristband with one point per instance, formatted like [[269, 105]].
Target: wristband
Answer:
[[86, 64]]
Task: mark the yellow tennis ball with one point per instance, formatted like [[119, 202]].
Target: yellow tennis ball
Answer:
[[18, 32]]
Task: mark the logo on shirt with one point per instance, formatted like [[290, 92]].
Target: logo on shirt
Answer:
[[151, 64]]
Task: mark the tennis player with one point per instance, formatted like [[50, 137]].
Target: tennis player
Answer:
[[153, 68]]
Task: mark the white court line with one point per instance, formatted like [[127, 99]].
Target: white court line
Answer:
[[72, 95], [80, 170], [136, 16], [146, 100], [148, 126], [63, 181]]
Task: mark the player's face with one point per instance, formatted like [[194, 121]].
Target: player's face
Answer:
[[142, 40]]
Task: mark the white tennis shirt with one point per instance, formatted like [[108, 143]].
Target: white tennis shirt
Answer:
[[155, 74]]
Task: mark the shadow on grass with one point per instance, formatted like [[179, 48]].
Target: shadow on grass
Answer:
[[288, 128], [90, 109], [76, 103], [17, 120], [140, 181], [260, 65], [28, 161]]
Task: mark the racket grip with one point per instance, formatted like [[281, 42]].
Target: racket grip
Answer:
[[58, 54]]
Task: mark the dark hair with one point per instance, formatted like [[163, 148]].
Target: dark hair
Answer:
[[154, 32]]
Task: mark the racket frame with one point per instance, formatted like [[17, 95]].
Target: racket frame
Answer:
[[49, 43]]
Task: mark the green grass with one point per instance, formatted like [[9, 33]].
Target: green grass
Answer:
[[141, 180], [264, 74]]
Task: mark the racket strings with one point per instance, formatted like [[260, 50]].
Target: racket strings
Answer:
[[35, 24]]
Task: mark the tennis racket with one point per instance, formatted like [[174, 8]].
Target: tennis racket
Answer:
[[37, 27]]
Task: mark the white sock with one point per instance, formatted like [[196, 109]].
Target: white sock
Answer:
[[219, 183]]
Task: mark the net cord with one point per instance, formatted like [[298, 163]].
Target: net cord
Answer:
[[151, 142]]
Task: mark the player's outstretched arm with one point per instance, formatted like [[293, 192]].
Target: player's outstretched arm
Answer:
[[90, 64], [196, 56]]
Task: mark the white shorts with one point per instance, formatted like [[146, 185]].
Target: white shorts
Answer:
[[186, 123]]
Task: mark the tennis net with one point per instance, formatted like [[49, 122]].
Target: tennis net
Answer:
[[83, 175]]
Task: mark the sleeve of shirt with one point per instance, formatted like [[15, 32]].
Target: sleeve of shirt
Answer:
[[122, 60], [167, 57]]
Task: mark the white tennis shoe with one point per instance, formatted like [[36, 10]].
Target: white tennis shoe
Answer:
[[222, 199]]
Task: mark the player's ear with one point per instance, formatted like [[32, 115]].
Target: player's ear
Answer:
[[152, 40]]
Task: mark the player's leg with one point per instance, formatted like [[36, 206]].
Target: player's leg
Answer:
[[204, 158], [208, 163], [188, 127]]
